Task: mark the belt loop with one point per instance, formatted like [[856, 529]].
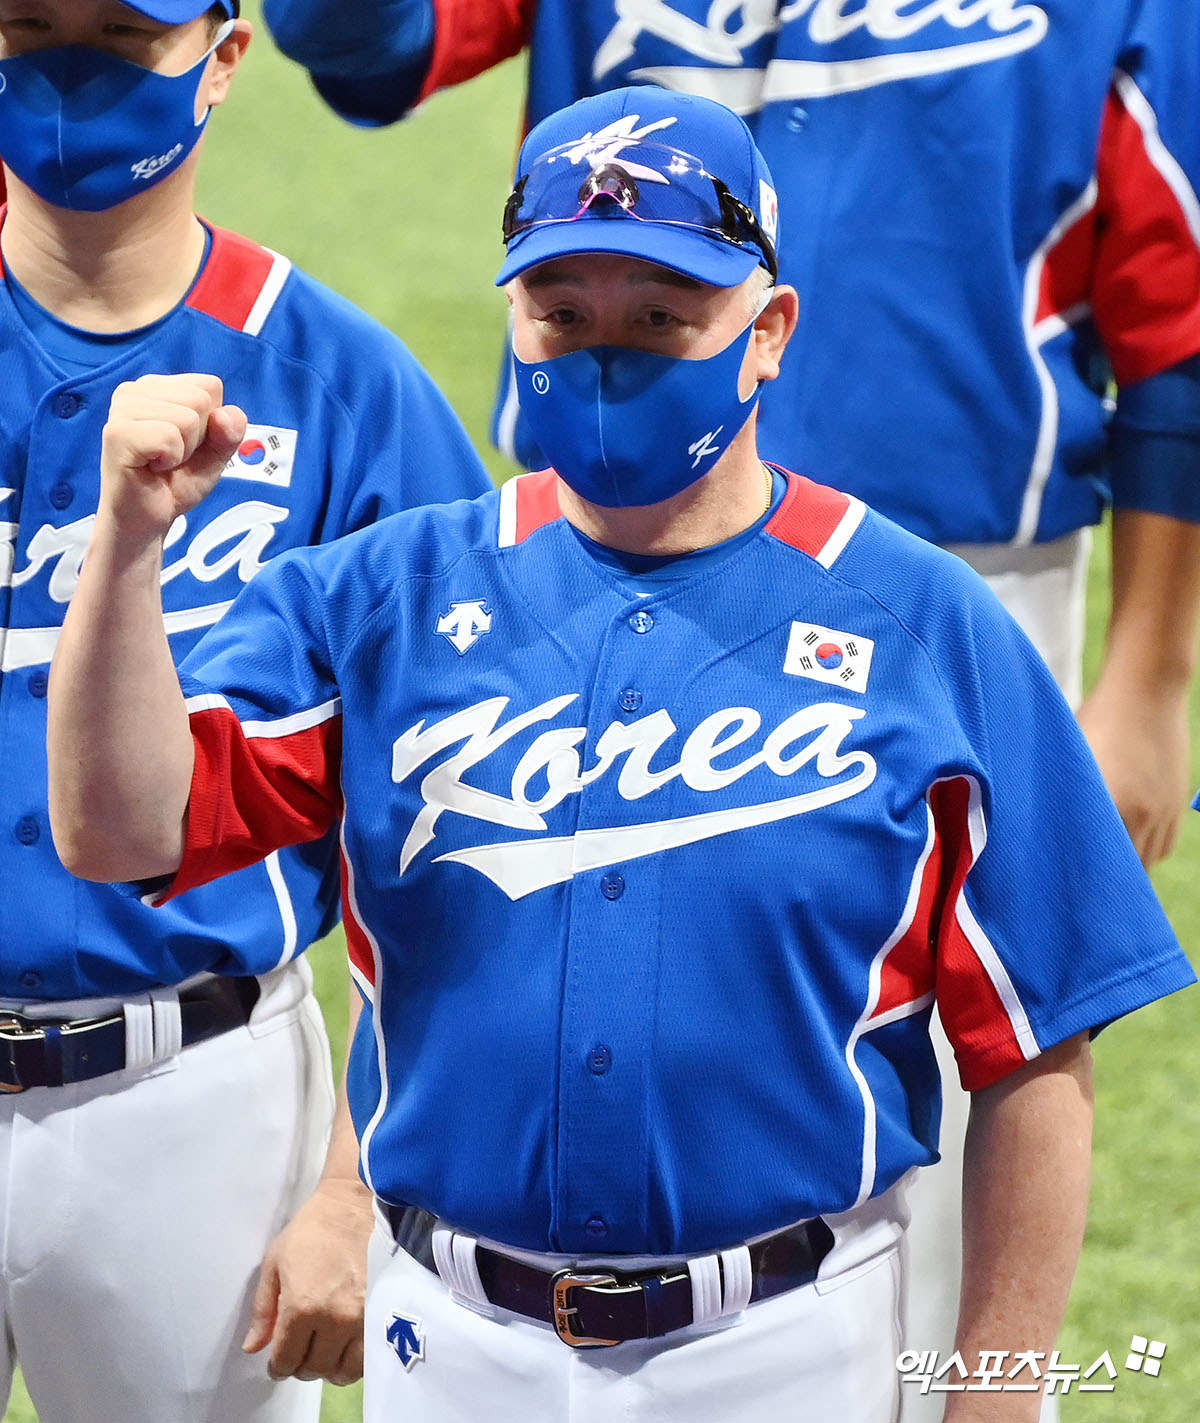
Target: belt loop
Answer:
[[139, 1033], [706, 1288], [454, 1256], [735, 1265], [168, 1023]]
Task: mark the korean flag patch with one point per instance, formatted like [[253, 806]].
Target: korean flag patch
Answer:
[[266, 456], [840, 658]]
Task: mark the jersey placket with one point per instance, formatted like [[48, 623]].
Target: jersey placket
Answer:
[[610, 980]]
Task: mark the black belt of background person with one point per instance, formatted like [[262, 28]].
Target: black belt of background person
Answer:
[[49, 1052], [590, 1308]]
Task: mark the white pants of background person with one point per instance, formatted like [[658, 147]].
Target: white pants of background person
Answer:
[[1044, 587], [137, 1208], [821, 1352]]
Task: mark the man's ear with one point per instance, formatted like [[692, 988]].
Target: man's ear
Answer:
[[773, 330], [223, 64]]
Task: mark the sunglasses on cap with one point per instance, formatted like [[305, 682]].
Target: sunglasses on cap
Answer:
[[647, 181]]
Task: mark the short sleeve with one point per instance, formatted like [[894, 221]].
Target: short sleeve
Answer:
[[265, 715], [1048, 924]]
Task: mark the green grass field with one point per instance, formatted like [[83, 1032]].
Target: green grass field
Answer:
[[406, 223]]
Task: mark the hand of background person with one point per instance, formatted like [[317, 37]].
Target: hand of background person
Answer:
[[1139, 735], [312, 1288]]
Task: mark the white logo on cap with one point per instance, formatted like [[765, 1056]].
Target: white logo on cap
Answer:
[[608, 143]]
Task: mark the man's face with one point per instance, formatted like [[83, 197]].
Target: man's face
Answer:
[[597, 300], [27, 25]]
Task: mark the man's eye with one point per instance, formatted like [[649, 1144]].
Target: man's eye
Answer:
[[562, 316], [660, 319]]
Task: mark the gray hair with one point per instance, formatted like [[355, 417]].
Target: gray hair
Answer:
[[757, 285]]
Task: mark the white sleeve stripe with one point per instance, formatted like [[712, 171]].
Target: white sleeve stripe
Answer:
[[1156, 150], [287, 912], [864, 1024], [268, 295], [985, 950], [841, 536], [372, 995], [1036, 334], [508, 512], [285, 726], [990, 960]]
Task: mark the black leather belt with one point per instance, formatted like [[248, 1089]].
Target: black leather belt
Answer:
[[589, 1308], [40, 1052]]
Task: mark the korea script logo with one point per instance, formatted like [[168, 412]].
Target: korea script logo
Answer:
[[811, 737], [990, 30]]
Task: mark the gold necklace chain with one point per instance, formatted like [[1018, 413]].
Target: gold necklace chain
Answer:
[[770, 487]]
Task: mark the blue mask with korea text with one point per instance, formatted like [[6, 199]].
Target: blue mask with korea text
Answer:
[[87, 130], [625, 428]]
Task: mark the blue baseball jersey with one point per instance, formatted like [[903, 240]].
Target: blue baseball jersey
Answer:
[[988, 209], [649, 897], [345, 427]]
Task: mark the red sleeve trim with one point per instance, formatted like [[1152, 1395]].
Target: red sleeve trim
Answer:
[[987, 1033], [815, 519], [253, 795], [240, 282], [527, 503], [359, 944], [1146, 286], [469, 37]]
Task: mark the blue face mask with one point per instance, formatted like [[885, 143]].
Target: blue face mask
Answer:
[[87, 130], [627, 428]]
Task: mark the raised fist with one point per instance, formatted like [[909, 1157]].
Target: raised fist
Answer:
[[165, 444]]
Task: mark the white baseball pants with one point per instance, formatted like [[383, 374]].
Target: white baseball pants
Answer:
[[135, 1211], [820, 1353]]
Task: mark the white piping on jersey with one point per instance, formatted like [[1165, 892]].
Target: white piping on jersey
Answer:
[[1037, 333], [902, 1011], [1138, 107], [280, 726], [508, 511], [985, 951], [832, 549], [864, 1024], [268, 294], [32, 647], [287, 912], [370, 993]]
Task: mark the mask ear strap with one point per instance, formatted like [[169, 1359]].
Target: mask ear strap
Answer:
[[763, 302], [218, 39]]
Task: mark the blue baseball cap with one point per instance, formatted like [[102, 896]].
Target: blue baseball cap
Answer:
[[179, 12], [644, 172]]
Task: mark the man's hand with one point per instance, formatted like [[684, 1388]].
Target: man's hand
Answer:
[[1136, 716], [311, 1292], [165, 444], [1140, 737]]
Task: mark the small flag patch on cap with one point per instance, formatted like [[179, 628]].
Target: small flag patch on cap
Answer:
[[842, 659]]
